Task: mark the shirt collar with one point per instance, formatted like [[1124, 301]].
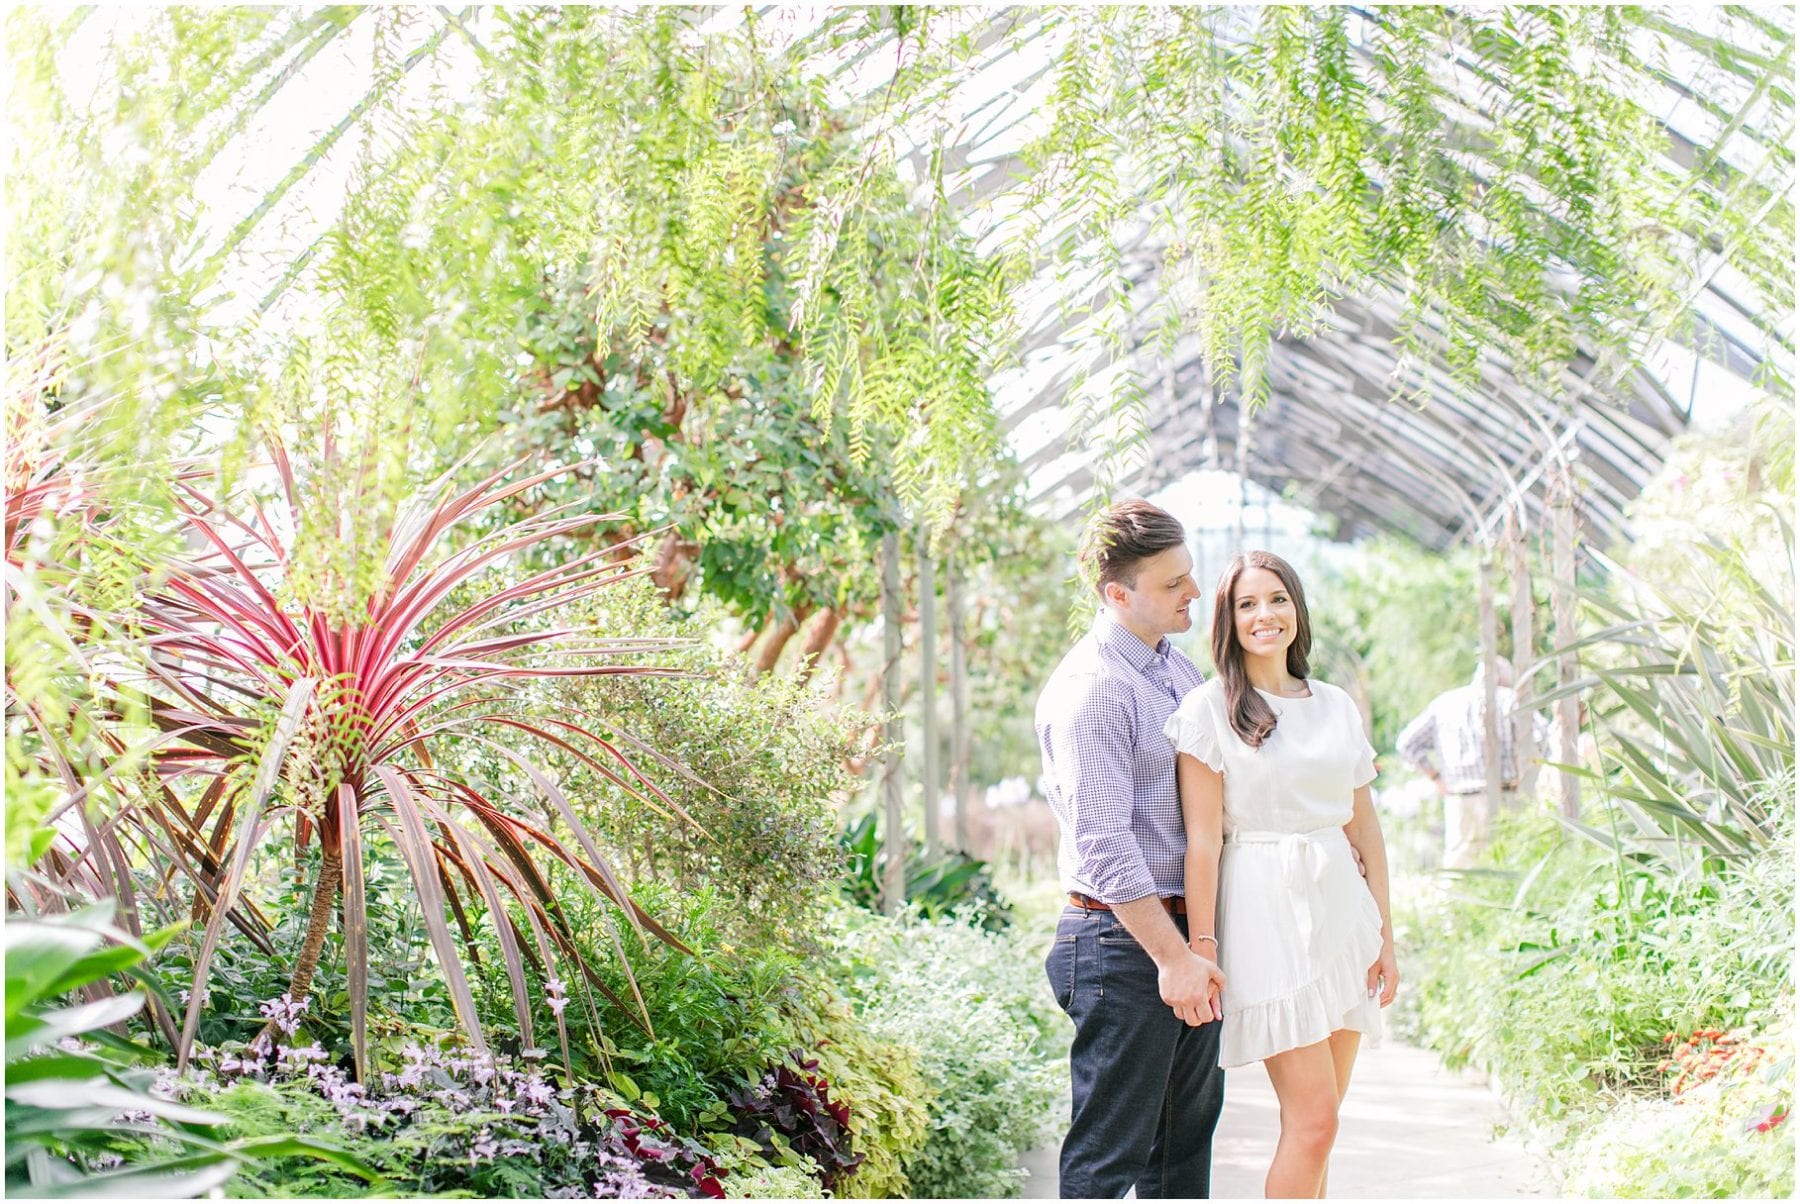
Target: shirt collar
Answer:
[[1114, 637]]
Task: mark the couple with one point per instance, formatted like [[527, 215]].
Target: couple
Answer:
[[1211, 835]]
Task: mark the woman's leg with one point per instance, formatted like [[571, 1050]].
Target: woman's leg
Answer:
[[1343, 1044], [1306, 1083]]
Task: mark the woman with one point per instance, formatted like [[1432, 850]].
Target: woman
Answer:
[[1274, 773]]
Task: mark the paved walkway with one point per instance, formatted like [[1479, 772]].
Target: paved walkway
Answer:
[[1409, 1130]]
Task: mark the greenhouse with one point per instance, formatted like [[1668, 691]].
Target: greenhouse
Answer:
[[644, 602]]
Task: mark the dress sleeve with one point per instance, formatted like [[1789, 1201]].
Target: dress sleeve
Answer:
[[1364, 771], [1190, 729]]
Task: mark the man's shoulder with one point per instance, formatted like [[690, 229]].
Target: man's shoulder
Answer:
[[1084, 683]]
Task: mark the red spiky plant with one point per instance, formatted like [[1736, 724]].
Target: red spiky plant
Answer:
[[362, 701]]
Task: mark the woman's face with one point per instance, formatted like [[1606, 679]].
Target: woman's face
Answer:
[[1263, 613]]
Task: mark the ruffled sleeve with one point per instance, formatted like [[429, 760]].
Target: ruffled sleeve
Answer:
[[1191, 730]]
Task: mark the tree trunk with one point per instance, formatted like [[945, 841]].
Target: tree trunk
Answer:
[[960, 743], [818, 640], [325, 890], [928, 742], [1563, 614], [673, 566], [893, 880], [775, 638], [1524, 653], [1490, 703]]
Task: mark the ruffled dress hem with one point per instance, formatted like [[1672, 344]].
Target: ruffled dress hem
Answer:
[[1337, 999]]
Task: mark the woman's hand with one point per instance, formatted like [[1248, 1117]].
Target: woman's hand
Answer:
[[1384, 975]]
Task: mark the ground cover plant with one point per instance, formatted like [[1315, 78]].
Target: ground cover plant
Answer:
[[971, 1002]]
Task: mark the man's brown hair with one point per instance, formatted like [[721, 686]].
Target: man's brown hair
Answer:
[[1121, 537]]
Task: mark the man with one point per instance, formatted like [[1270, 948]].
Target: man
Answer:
[[1447, 744], [1144, 1067]]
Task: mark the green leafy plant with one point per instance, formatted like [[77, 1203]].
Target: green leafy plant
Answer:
[[953, 884], [972, 1004], [86, 1112], [762, 767], [1698, 708]]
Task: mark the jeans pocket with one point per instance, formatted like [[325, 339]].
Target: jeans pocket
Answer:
[[1059, 967]]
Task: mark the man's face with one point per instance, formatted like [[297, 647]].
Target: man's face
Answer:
[[1158, 604]]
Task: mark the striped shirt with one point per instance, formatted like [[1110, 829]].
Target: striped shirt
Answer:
[[1448, 737], [1109, 772]]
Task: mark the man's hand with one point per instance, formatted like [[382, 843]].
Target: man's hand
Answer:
[[1190, 985]]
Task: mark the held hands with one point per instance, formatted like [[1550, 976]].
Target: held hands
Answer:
[[1384, 975], [1191, 986]]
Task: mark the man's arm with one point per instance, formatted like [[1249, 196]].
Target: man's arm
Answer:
[[1091, 744], [1189, 983], [1417, 741]]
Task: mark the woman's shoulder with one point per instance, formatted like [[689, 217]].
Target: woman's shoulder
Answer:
[[1208, 692], [1325, 689], [1336, 698]]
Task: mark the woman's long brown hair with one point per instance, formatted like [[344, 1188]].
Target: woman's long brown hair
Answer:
[[1252, 718]]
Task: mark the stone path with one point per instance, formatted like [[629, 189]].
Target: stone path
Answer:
[[1409, 1130]]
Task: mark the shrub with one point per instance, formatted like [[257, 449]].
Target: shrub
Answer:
[[1563, 977], [883, 1083], [720, 1013], [774, 1183], [764, 770], [971, 1003]]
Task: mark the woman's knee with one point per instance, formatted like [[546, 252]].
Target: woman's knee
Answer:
[[1313, 1126]]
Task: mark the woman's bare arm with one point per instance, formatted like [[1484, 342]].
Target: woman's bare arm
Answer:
[[1203, 814], [1364, 832]]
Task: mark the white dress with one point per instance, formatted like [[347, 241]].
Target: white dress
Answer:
[[1297, 926]]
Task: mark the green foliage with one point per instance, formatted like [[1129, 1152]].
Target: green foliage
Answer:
[[87, 1113], [1697, 708], [972, 1004], [1562, 974], [889, 1096], [1398, 621], [774, 1183], [761, 771], [1727, 1143], [954, 884], [718, 1015]]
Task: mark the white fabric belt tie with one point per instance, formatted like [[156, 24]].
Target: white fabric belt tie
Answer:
[[1304, 862]]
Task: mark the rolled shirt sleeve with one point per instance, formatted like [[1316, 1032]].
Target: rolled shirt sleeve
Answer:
[[1091, 746], [1418, 739]]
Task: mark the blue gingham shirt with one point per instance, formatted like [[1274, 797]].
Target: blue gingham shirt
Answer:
[[1109, 772]]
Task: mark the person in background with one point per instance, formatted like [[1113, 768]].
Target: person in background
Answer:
[[1447, 744]]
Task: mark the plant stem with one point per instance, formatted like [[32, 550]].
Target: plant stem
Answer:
[[325, 888]]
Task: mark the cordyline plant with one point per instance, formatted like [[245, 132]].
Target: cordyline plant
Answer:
[[361, 703]]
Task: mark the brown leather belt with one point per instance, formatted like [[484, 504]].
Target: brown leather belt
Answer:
[[1175, 905]]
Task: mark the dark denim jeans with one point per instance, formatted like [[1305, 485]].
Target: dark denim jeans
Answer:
[[1147, 1088]]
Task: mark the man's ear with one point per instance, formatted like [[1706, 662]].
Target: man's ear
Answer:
[[1113, 594]]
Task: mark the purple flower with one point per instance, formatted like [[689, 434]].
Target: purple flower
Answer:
[[284, 1012], [536, 1091]]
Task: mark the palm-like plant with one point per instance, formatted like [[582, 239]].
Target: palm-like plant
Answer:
[[361, 703], [1699, 710]]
